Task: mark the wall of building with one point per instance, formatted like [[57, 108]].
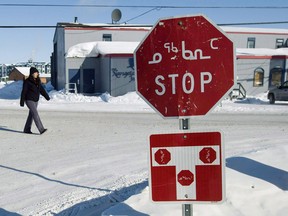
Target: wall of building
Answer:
[[82, 68], [16, 75], [122, 75], [76, 36], [105, 74], [112, 73], [245, 68], [248, 65], [262, 40], [58, 76]]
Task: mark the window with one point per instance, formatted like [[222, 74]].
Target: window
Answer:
[[107, 37], [279, 43], [251, 42], [258, 77], [275, 77], [285, 84]]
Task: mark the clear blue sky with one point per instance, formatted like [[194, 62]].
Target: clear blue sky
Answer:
[[18, 45]]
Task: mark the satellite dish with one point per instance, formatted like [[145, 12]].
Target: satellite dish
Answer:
[[116, 15]]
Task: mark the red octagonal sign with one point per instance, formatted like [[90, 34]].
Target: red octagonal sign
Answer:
[[184, 66], [207, 155], [185, 177], [162, 156]]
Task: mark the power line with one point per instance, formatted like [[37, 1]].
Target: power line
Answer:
[[141, 14], [117, 26], [144, 6], [27, 26], [153, 7]]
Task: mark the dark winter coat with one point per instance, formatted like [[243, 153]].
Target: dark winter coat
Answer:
[[32, 88]]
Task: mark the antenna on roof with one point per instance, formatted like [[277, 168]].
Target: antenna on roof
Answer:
[[116, 15]]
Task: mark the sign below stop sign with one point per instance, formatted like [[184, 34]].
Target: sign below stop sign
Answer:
[[184, 66], [187, 167]]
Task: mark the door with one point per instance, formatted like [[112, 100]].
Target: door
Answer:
[[88, 80], [74, 80], [283, 93]]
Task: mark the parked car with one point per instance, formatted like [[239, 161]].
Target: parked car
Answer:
[[280, 93]]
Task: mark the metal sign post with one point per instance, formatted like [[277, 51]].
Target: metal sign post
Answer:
[[187, 209]]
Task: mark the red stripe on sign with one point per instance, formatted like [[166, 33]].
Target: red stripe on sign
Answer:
[[209, 183], [163, 183]]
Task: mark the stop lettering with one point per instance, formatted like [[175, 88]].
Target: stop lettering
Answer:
[[187, 83]]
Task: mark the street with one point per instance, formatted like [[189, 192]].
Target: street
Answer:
[[88, 155]]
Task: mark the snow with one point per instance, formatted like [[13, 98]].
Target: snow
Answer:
[[94, 158], [24, 70], [237, 29], [94, 49], [262, 51]]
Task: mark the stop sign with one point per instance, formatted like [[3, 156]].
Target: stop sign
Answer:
[[184, 66], [185, 177], [207, 155], [162, 156]]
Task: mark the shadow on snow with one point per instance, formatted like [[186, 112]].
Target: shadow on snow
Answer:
[[96, 205], [275, 176], [3, 212], [4, 128], [53, 180]]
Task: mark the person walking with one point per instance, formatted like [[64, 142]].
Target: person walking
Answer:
[[32, 88]]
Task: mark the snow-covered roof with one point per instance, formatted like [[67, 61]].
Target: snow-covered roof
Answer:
[[24, 70], [231, 29], [94, 49], [262, 51]]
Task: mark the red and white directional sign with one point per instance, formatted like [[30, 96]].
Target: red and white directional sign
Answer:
[[184, 66], [187, 167]]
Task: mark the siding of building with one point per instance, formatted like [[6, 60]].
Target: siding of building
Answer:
[[264, 38]]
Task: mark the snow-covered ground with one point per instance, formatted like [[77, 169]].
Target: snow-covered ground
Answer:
[[94, 158]]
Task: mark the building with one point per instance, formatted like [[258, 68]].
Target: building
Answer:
[[104, 67], [43, 67], [3, 70], [74, 72], [261, 69], [88, 73], [21, 73], [260, 57], [257, 37]]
